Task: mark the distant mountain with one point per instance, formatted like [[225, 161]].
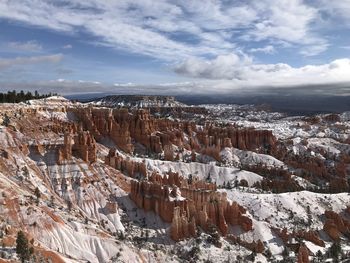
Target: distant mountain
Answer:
[[293, 103], [137, 101]]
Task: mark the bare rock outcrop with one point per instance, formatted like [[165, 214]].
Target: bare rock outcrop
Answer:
[[126, 165], [82, 145], [188, 204], [255, 246], [85, 146], [336, 225], [159, 134], [303, 254], [310, 235]]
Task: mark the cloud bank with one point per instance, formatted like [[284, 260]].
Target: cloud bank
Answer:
[[31, 46], [214, 42], [241, 71], [7, 63], [155, 28]]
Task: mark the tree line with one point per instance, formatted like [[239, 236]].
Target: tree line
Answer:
[[15, 97]]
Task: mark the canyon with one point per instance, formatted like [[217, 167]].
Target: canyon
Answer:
[[146, 179]]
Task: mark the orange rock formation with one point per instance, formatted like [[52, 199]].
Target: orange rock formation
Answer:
[[126, 166], [83, 145], [187, 204], [336, 225], [303, 254], [157, 135]]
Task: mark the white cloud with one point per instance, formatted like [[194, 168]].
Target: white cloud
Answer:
[[222, 67], [314, 50], [335, 10], [187, 33], [32, 46], [9, 62], [129, 84], [287, 20], [330, 79], [173, 30], [236, 71], [267, 49]]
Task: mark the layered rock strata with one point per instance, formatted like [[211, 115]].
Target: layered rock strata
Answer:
[[82, 145], [187, 204], [336, 225]]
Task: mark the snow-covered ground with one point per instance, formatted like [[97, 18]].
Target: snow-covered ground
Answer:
[[295, 211], [203, 171], [137, 101]]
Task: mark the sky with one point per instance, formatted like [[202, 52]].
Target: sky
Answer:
[[173, 47]]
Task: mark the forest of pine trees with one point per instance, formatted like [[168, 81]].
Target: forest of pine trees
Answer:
[[15, 97]]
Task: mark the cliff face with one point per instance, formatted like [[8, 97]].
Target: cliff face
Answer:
[[127, 166], [244, 139], [85, 146], [336, 225], [303, 254], [187, 204], [157, 135], [312, 236], [82, 145]]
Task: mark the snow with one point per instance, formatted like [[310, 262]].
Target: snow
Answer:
[[203, 171], [137, 101], [82, 246], [50, 101], [329, 145], [267, 206], [251, 158], [288, 210], [6, 138], [54, 115]]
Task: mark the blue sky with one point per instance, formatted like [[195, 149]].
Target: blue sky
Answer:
[[184, 45]]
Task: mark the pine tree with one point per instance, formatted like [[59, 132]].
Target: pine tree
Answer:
[[335, 250], [319, 256], [190, 179], [69, 205], [6, 121], [22, 247], [37, 194], [14, 97]]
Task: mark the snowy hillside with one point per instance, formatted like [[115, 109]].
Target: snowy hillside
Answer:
[[133, 101]]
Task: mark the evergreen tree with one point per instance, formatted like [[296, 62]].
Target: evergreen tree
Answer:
[[319, 256], [14, 97], [22, 247], [28, 96], [335, 250], [190, 178], [69, 205], [37, 194], [285, 253], [6, 121], [21, 96]]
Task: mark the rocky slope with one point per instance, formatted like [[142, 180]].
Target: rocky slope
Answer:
[[134, 101], [88, 183]]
